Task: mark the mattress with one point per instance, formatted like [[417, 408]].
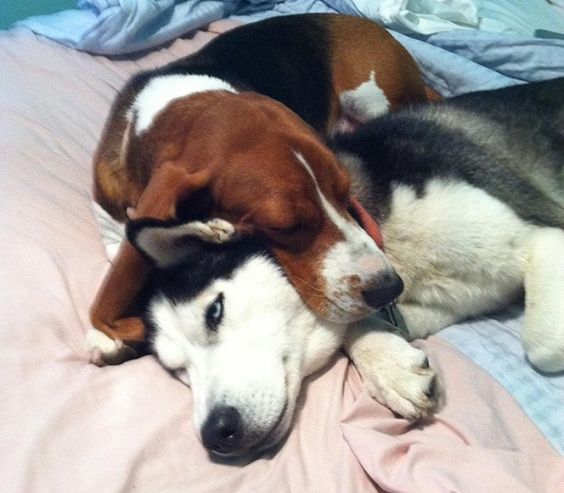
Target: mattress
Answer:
[[69, 426]]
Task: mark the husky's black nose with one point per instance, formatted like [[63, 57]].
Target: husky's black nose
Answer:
[[386, 289], [222, 431]]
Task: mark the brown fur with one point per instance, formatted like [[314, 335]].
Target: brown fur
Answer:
[[237, 151], [396, 73], [248, 169]]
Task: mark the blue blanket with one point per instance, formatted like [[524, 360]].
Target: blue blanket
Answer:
[[494, 343], [115, 27], [453, 62]]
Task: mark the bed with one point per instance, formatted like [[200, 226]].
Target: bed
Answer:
[[69, 426]]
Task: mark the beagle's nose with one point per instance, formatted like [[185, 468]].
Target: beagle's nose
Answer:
[[222, 431], [387, 287]]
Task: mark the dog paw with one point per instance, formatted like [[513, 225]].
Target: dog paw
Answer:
[[103, 350], [404, 382], [215, 230]]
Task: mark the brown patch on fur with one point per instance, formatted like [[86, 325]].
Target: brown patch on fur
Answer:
[[252, 175], [112, 188], [116, 297], [238, 151], [373, 50]]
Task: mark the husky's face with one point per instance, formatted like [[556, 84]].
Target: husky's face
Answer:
[[228, 323]]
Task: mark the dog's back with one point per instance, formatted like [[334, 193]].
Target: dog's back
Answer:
[[526, 144], [508, 142], [306, 61]]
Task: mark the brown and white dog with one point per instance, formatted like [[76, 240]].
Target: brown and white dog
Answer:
[[230, 132]]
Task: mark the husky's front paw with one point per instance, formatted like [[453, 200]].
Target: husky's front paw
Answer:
[[396, 374], [103, 350], [406, 384]]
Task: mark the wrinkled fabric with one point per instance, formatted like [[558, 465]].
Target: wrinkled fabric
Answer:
[[457, 62], [453, 62], [481, 441], [495, 344], [533, 18], [69, 426], [414, 16], [114, 27], [522, 17]]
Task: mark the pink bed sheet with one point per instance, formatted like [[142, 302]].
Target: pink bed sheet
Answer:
[[68, 426]]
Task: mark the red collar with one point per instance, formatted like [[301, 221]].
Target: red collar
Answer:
[[367, 222]]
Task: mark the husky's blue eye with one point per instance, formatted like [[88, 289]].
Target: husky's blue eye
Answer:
[[214, 313]]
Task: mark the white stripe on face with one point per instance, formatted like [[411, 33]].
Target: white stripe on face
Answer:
[[349, 266]]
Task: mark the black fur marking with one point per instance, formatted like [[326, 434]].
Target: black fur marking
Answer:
[[284, 58], [195, 272], [516, 163], [191, 276]]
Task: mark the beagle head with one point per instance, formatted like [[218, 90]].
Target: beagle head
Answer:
[[269, 174]]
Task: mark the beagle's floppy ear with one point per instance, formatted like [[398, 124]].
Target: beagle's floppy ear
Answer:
[[168, 243]]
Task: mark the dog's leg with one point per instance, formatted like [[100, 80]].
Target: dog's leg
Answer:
[[129, 271], [395, 373], [543, 332]]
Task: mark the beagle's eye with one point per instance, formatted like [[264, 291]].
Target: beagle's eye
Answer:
[[214, 313]]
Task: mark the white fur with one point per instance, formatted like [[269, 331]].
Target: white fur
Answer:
[[102, 349], [160, 243], [112, 231], [267, 342], [160, 91], [543, 332], [460, 252], [356, 255], [365, 101], [393, 371]]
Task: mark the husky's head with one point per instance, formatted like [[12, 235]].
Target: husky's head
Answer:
[[227, 322]]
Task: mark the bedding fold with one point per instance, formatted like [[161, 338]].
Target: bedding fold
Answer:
[[115, 27], [69, 426], [453, 62], [480, 442]]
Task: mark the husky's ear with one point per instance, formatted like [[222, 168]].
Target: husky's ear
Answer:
[[168, 243]]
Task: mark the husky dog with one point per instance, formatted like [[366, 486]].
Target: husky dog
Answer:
[[226, 321], [469, 195]]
